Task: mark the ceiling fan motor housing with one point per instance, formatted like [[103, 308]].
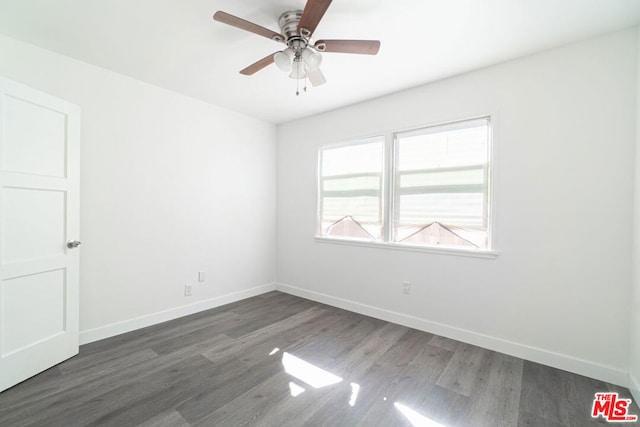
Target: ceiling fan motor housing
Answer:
[[288, 22]]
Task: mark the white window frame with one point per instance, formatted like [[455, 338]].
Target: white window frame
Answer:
[[388, 198]]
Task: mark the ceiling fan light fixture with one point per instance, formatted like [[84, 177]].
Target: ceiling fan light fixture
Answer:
[[283, 59], [298, 70], [312, 60]]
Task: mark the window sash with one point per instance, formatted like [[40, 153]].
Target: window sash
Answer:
[[457, 185], [355, 196]]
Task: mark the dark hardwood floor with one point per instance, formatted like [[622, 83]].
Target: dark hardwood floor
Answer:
[[279, 360]]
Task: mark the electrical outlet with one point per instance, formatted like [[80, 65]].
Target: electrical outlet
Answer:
[[201, 276], [406, 288], [187, 289]]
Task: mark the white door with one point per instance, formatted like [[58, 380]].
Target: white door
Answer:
[[39, 207]]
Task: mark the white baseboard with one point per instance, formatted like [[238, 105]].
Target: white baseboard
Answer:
[[568, 363], [634, 386], [129, 325]]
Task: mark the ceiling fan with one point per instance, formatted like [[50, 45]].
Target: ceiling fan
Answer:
[[301, 58]]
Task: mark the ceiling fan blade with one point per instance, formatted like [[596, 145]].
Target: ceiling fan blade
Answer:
[[316, 78], [312, 14], [363, 47], [258, 65], [243, 24]]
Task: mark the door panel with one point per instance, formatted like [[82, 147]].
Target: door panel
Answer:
[[39, 211], [34, 222], [33, 149], [36, 300]]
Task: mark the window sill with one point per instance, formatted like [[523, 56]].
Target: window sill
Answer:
[[412, 248]]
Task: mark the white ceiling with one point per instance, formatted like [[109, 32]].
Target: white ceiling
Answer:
[[176, 44]]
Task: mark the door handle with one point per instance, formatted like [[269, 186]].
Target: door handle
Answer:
[[73, 244]]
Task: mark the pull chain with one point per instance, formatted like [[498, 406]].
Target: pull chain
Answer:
[[298, 79], [298, 64]]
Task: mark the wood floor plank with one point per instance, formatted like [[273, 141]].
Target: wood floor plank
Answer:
[[443, 342], [416, 388], [217, 321], [41, 383], [368, 351], [328, 350], [231, 366], [269, 337], [468, 365], [278, 312], [438, 404], [495, 399], [558, 396], [527, 419], [249, 408], [135, 402], [165, 419], [108, 362], [263, 303], [229, 381]]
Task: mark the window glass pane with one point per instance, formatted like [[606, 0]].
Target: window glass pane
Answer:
[[365, 210], [352, 159], [353, 183], [461, 209], [440, 190], [459, 147], [351, 190], [437, 178]]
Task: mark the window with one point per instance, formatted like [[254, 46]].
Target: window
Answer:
[[441, 185], [351, 190], [436, 193]]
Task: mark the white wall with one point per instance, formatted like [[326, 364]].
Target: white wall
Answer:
[[558, 292], [169, 186], [634, 368]]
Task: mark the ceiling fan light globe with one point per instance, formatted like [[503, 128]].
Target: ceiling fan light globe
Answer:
[[297, 71], [283, 61], [297, 75], [312, 60]]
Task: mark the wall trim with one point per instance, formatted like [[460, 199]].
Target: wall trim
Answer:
[[634, 387], [129, 325], [561, 361]]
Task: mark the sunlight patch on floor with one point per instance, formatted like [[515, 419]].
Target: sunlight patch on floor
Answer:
[[295, 389], [309, 373], [416, 419], [355, 389]]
